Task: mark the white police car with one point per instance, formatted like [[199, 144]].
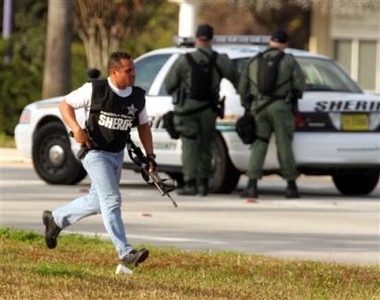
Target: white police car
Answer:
[[338, 127]]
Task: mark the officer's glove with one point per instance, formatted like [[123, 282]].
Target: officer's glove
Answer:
[[149, 167], [151, 163]]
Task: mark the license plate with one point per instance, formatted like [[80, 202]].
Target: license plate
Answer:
[[355, 122]]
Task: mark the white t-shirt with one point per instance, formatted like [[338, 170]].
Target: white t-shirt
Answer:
[[81, 97]]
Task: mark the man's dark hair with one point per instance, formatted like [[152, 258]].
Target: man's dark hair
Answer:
[[116, 57]]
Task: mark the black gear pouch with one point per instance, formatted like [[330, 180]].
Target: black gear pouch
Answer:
[[246, 128], [169, 125]]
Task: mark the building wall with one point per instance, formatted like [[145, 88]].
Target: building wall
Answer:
[[320, 30], [355, 44]]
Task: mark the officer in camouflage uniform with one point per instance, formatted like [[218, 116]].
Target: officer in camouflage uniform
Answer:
[[195, 119], [277, 117]]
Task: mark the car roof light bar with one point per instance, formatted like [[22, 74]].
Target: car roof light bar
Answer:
[[225, 39], [184, 41], [241, 39]]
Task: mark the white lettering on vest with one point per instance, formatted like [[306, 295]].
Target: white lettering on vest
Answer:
[[113, 122]]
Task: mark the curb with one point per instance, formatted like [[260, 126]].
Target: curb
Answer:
[[11, 155]]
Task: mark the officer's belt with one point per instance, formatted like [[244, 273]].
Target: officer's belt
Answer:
[[193, 111]]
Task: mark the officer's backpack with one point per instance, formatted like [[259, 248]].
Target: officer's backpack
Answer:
[[267, 70], [201, 78]]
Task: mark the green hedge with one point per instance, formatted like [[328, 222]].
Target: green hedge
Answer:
[[19, 85]]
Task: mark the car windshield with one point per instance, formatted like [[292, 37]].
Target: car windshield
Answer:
[[321, 75], [148, 68]]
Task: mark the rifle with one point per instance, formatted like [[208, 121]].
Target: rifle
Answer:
[[142, 161]]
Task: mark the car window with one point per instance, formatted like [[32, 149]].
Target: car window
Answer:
[[321, 75], [147, 69], [326, 75]]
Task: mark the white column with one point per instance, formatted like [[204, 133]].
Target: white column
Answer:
[[188, 17]]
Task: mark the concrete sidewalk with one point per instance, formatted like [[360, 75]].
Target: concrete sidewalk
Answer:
[[11, 155]]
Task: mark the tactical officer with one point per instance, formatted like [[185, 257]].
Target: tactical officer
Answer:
[[276, 117], [114, 105], [195, 117]]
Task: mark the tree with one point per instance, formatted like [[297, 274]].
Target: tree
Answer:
[[155, 27], [339, 7], [286, 14], [102, 25], [58, 53], [258, 18]]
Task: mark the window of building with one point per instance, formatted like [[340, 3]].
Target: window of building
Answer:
[[367, 65], [359, 59], [343, 53]]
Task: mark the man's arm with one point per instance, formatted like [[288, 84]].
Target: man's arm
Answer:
[[299, 82], [145, 135], [68, 116], [243, 86], [228, 70]]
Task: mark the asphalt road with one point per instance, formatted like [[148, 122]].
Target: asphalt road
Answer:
[[322, 225]]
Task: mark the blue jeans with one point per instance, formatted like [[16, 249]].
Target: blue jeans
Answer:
[[104, 170]]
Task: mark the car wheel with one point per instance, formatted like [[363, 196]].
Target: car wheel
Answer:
[[52, 157], [225, 175], [358, 183]]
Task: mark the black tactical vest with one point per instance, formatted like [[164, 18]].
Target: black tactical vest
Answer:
[[112, 117]]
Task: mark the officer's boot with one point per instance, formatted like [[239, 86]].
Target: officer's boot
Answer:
[[251, 190], [203, 187], [291, 190], [189, 189]]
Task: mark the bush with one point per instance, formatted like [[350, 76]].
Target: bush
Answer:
[[21, 78], [19, 85]]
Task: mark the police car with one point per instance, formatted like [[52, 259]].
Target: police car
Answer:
[[337, 126]]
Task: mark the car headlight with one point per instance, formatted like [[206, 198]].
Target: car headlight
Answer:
[[25, 116]]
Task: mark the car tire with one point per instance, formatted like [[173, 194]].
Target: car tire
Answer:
[[358, 183], [225, 176], [53, 158]]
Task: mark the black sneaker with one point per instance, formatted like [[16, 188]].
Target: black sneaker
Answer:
[[51, 229], [135, 257]]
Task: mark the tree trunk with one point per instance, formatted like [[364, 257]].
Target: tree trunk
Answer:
[[58, 49]]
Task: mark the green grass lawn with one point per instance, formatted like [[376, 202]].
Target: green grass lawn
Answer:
[[7, 141], [84, 268]]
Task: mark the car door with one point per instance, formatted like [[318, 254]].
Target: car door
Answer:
[[151, 71]]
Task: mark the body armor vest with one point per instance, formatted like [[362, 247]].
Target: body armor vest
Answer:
[[112, 117]]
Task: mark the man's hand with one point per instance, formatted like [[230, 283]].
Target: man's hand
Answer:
[[82, 138], [152, 165]]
